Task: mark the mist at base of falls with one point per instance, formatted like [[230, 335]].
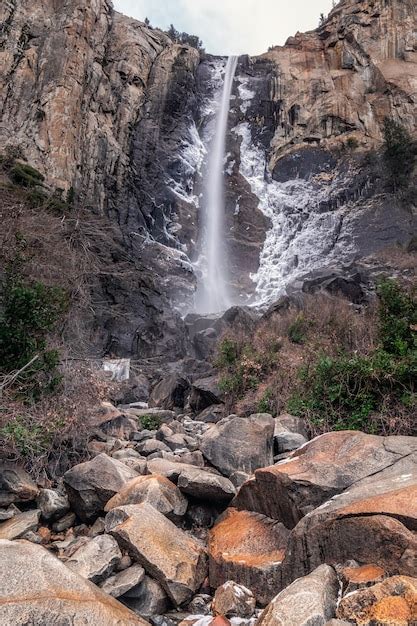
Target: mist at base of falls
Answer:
[[213, 294]]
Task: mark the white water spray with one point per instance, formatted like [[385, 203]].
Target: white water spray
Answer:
[[213, 294]]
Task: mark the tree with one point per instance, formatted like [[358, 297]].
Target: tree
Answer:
[[400, 153], [322, 19], [147, 22]]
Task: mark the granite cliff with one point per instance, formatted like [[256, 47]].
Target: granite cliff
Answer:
[[116, 111]]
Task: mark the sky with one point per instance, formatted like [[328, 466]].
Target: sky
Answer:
[[231, 26]]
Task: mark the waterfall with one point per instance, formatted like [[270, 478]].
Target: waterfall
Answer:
[[213, 292]]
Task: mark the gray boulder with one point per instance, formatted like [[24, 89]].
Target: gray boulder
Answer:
[[204, 393], [233, 600], [123, 581], [96, 559], [52, 504], [307, 601], [15, 485], [147, 599], [205, 485], [90, 485], [37, 588], [240, 444], [170, 393], [167, 553], [20, 524]]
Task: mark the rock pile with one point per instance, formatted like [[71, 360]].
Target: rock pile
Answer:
[[178, 520]]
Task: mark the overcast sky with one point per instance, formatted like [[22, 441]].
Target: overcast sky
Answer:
[[231, 26]]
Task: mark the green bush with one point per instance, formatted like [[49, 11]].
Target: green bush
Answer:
[[400, 153], [28, 313], [265, 404], [25, 175], [28, 438], [342, 392], [297, 330], [150, 422]]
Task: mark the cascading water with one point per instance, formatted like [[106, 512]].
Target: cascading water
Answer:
[[213, 292]]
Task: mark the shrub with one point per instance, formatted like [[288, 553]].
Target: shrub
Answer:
[[28, 312], [399, 154], [344, 391], [150, 422], [297, 330], [25, 175]]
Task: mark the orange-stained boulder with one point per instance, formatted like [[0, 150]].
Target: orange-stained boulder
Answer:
[[37, 588], [160, 492], [373, 522], [247, 548], [324, 467], [392, 602]]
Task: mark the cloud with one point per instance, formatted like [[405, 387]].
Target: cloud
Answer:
[[231, 26]]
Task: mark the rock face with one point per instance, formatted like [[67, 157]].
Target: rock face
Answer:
[[177, 561], [104, 105], [66, 597], [90, 485], [237, 443], [309, 600]]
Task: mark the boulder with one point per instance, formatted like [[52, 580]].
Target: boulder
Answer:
[[37, 588], [167, 553], [15, 485], [307, 601], [170, 393], [212, 414], [233, 600], [20, 524], [123, 581], [90, 485], [393, 601], [293, 424], [96, 559], [169, 468], [204, 393], [372, 522], [239, 444], [148, 598], [247, 548], [158, 491], [205, 485], [64, 523], [157, 416], [322, 468], [150, 446], [285, 440], [358, 576], [52, 504]]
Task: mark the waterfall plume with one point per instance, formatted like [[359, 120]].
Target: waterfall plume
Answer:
[[213, 292]]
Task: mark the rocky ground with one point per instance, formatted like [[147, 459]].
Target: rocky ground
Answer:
[[186, 517]]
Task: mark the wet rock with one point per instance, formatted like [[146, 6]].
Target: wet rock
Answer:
[[247, 548], [239, 444], [233, 600], [52, 504], [90, 485], [20, 524], [32, 573], [97, 559], [204, 393], [125, 580], [324, 467], [176, 560], [147, 599], [15, 485], [205, 486], [394, 601], [170, 393], [157, 490], [309, 600]]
